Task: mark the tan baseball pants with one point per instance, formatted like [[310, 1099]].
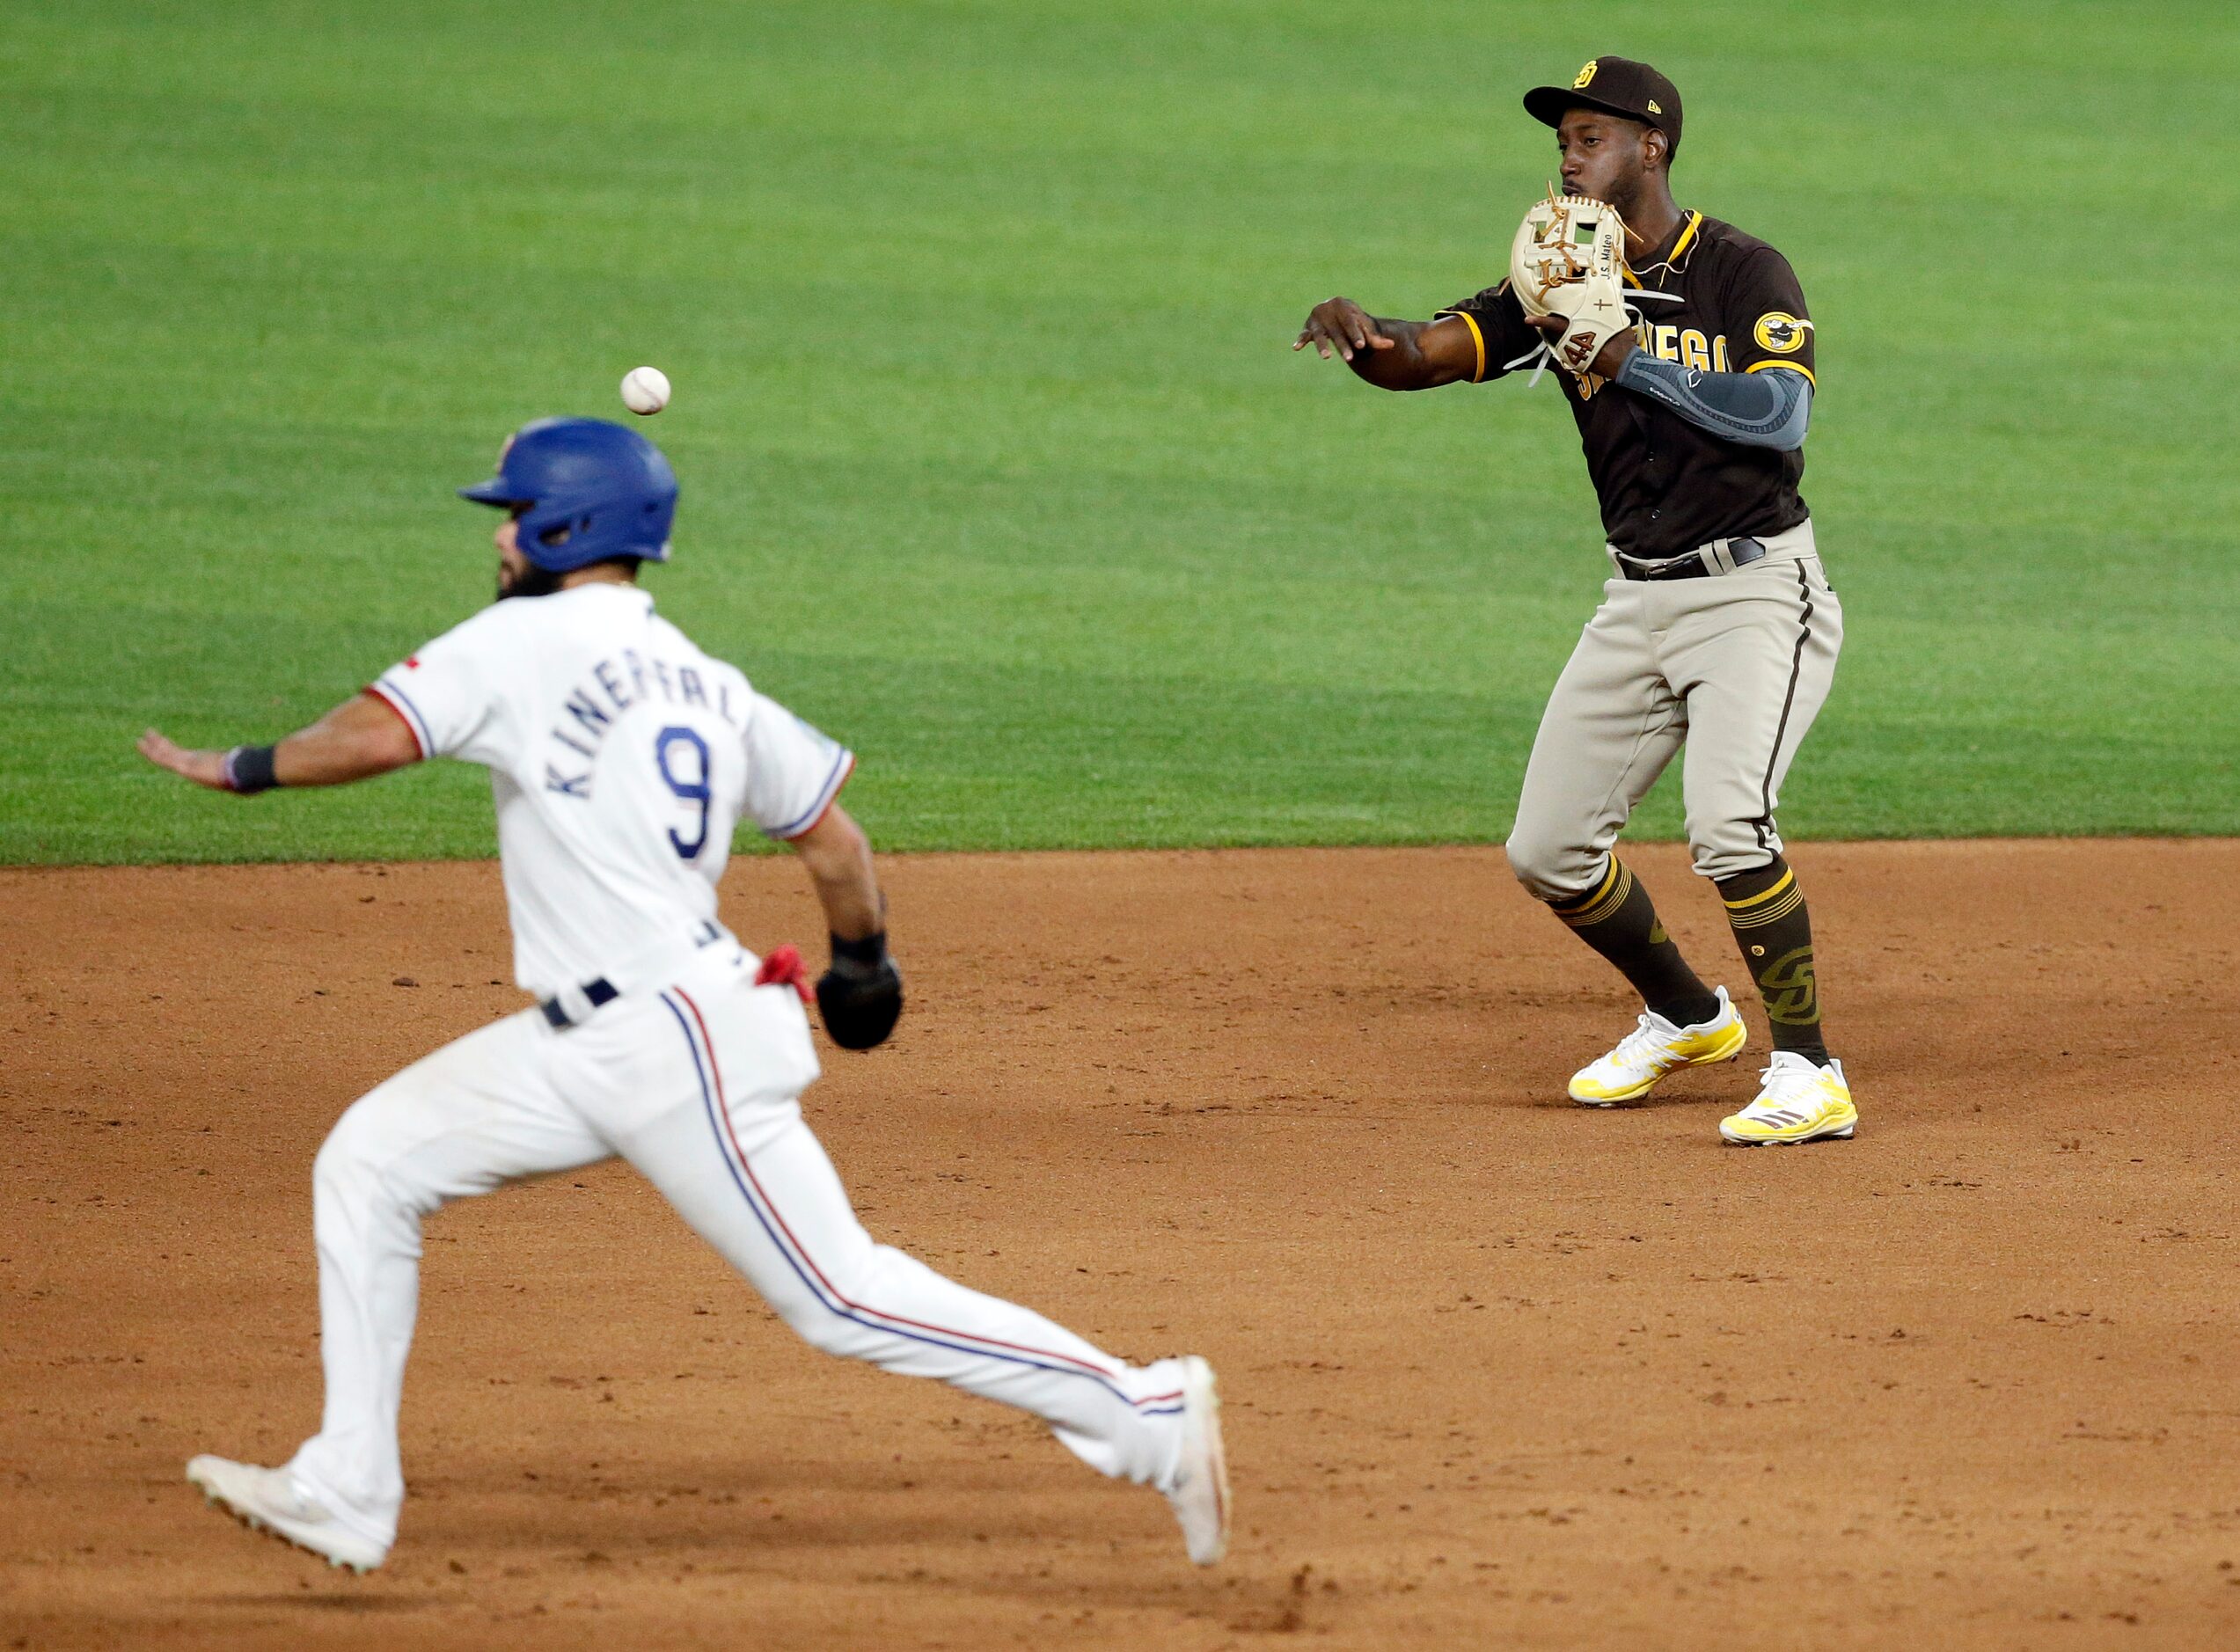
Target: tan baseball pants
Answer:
[[1732, 666]]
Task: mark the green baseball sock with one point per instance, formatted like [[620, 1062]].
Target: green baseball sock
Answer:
[[1618, 921], [1767, 911]]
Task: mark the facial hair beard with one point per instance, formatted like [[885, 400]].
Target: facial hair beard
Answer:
[[531, 581]]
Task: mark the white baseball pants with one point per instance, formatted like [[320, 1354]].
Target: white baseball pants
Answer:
[[698, 1087]]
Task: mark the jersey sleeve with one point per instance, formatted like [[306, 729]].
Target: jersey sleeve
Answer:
[[1496, 322], [1766, 323], [794, 771], [445, 694]]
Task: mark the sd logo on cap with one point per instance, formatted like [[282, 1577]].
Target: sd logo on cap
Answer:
[[1620, 86]]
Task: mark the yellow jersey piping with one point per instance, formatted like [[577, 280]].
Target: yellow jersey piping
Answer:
[[1477, 338], [1794, 367]]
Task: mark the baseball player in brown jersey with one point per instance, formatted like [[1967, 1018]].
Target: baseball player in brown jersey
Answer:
[[1717, 630]]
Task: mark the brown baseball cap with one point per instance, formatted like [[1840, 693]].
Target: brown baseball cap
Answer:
[[1615, 86]]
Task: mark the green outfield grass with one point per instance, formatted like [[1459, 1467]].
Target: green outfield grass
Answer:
[[997, 464]]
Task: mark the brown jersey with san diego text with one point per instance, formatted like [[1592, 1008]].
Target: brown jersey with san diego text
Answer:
[[1665, 486]]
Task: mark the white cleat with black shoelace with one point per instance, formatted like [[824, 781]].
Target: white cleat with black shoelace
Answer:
[[1797, 1101]]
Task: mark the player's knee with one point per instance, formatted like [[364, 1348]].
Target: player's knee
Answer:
[[350, 1168], [1550, 867], [824, 1323], [825, 1328], [343, 1173], [828, 1319], [1728, 850]]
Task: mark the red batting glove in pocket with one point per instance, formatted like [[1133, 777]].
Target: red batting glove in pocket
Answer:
[[783, 967]]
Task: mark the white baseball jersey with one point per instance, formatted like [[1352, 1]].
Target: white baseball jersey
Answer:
[[621, 757]]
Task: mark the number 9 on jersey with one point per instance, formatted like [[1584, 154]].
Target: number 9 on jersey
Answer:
[[686, 772]]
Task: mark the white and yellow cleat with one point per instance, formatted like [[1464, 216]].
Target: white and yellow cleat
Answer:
[[1656, 1047], [1796, 1102]]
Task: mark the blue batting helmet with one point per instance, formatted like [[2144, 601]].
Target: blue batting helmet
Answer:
[[587, 490]]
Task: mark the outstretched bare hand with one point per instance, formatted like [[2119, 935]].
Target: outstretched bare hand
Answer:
[[204, 768], [1342, 323]]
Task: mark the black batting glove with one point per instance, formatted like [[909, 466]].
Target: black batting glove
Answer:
[[860, 995]]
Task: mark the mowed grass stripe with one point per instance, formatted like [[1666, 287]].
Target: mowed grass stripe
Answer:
[[996, 463]]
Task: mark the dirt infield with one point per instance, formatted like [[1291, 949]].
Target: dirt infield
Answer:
[[1500, 1371]]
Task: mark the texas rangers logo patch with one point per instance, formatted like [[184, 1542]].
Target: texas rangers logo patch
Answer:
[[1781, 333]]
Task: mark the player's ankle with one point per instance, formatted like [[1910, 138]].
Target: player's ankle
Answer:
[[1688, 1012]]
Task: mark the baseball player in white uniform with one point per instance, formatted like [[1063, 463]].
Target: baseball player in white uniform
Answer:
[[620, 757]]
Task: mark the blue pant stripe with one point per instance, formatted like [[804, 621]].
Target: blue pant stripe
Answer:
[[842, 1310]]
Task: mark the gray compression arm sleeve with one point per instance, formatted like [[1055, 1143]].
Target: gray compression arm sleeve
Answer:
[[1758, 410]]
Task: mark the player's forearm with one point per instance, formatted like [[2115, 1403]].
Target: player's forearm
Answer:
[[860, 995], [838, 857], [1402, 367], [357, 740], [309, 759], [1391, 354], [1757, 410]]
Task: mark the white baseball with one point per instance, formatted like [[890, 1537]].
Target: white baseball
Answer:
[[644, 389]]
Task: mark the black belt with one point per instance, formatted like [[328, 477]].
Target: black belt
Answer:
[[599, 992], [1743, 552]]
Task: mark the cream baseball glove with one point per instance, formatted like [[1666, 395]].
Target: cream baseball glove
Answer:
[[1569, 260]]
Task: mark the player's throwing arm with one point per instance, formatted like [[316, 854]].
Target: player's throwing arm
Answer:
[[1685, 353], [621, 758]]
